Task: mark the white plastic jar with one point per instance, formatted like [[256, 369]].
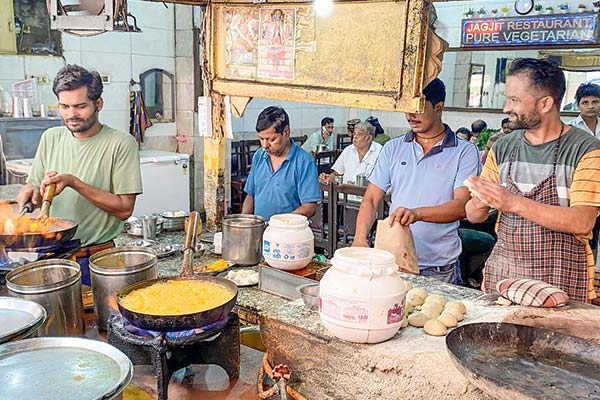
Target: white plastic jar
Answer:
[[288, 242], [362, 297]]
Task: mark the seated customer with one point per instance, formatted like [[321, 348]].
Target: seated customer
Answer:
[[464, 133], [324, 136], [358, 158], [283, 178]]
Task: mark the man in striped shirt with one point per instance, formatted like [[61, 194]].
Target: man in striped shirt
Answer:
[[544, 179]]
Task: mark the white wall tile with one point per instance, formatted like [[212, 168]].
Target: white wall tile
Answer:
[[116, 96], [71, 42], [184, 16], [72, 57], [116, 119], [152, 15], [12, 68], [162, 129], [43, 65], [153, 42], [109, 42], [143, 63], [118, 66], [184, 67]]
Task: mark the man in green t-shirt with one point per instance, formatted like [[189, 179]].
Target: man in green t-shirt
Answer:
[[96, 168]]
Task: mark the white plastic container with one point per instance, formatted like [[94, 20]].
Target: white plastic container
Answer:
[[362, 297], [288, 242]]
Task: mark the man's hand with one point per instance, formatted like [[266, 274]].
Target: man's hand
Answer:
[[29, 193], [487, 192], [360, 242], [403, 216], [62, 181]]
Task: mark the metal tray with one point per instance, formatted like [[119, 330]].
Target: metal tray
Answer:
[[284, 283], [19, 318], [62, 368]]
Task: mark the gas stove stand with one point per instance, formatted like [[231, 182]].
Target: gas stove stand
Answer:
[[219, 346]]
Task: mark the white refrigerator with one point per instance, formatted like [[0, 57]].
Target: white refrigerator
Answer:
[[165, 181]]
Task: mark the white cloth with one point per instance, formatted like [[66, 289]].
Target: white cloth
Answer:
[[349, 165], [580, 123]]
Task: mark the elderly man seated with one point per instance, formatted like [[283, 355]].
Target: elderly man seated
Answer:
[[358, 158]]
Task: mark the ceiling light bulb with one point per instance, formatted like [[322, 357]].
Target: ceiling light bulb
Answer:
[[323, 8]]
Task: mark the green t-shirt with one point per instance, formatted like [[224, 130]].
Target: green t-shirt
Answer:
[[108, 161]]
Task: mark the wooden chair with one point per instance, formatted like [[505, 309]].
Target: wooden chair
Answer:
[[343, 140], [322, 223], [299, 140], [325, 161]]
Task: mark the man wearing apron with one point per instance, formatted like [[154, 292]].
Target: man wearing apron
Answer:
[[544, 179]]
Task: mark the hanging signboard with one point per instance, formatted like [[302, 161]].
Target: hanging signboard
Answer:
[[538, 30]]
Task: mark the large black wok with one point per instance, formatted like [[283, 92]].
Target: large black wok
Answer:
[[165, 323], [514, 362], [59, 230]]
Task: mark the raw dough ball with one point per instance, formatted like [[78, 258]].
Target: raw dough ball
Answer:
[[431, 313], [458, 305], [408, 309], [414, 299], [407, 285], [503, 301], [447, 319], [434, 327], [455, 313], [433, 305], [418, 319], [404, 323], [419, 292], [436, 297]]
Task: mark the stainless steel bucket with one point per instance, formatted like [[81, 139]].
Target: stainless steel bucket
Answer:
[[114, 269], [56, 286], [242, 238]]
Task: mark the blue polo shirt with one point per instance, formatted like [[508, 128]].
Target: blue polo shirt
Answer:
[[282, 191], [421, 180]]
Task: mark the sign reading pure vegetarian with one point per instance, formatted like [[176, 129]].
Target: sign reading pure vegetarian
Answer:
[[546, 30]]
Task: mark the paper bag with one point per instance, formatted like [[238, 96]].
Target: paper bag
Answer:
[[398, 240]]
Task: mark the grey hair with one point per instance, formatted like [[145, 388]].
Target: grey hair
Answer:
[[365, 126], [72, 77]]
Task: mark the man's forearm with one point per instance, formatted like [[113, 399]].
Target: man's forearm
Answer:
[[476, 215], [111, 203], [248, 206], [443, 213], [364, 220], [306, 209], [577, 220]]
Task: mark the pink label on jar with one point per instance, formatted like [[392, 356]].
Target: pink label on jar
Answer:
[[395, 314], [347, 310]]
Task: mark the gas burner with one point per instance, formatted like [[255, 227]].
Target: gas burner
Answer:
[[218, 343]]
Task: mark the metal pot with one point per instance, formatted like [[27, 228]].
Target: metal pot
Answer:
[[242, 238], [114, 269], [56, 286], [134, 226], [174, 220]]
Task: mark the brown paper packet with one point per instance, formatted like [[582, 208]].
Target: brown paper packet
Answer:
[[398, 240]]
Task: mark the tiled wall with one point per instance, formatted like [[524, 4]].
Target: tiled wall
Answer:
[[121, 55]]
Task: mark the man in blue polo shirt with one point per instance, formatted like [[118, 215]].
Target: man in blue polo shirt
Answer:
[[426, 169], [283, 178]]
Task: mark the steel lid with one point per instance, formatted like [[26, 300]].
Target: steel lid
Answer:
[[43, 276], [123, 260], [62, 369], [19, 317], [243, 220]]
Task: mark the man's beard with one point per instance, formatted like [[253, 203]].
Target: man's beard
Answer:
[[531, 121]]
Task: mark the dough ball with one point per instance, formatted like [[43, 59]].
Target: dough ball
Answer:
[[447, 319], [434, 327], [436, 298], [455, 313], [458, 305], [433, 305], [503, 301], [404, 323], [407, 285], [414, 299], [417, 319], [431, 313], [408, 309], [419, 292]]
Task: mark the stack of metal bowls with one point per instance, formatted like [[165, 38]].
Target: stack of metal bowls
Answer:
[[20, 318], [134, 226], [174, 220]]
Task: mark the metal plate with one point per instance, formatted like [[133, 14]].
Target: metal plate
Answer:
[[224, 275], [19, 318], [208, 237], [518, 362], [62, 369]]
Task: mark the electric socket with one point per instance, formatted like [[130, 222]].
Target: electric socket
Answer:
[[41, 79]]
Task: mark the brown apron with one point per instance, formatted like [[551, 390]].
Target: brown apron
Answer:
[[527, 250]]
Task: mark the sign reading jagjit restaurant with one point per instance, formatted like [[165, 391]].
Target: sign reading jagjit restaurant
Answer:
[[546, 30]]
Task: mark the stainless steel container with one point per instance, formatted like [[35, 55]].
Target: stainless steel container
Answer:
[[242, 238], [114, 269], [56, 286], [174, 220]]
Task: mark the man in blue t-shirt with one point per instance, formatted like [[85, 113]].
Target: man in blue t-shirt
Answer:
[[283, 178]]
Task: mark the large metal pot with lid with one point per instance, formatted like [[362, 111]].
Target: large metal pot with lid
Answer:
[[114, 269], [242, 238], [56, 286]]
